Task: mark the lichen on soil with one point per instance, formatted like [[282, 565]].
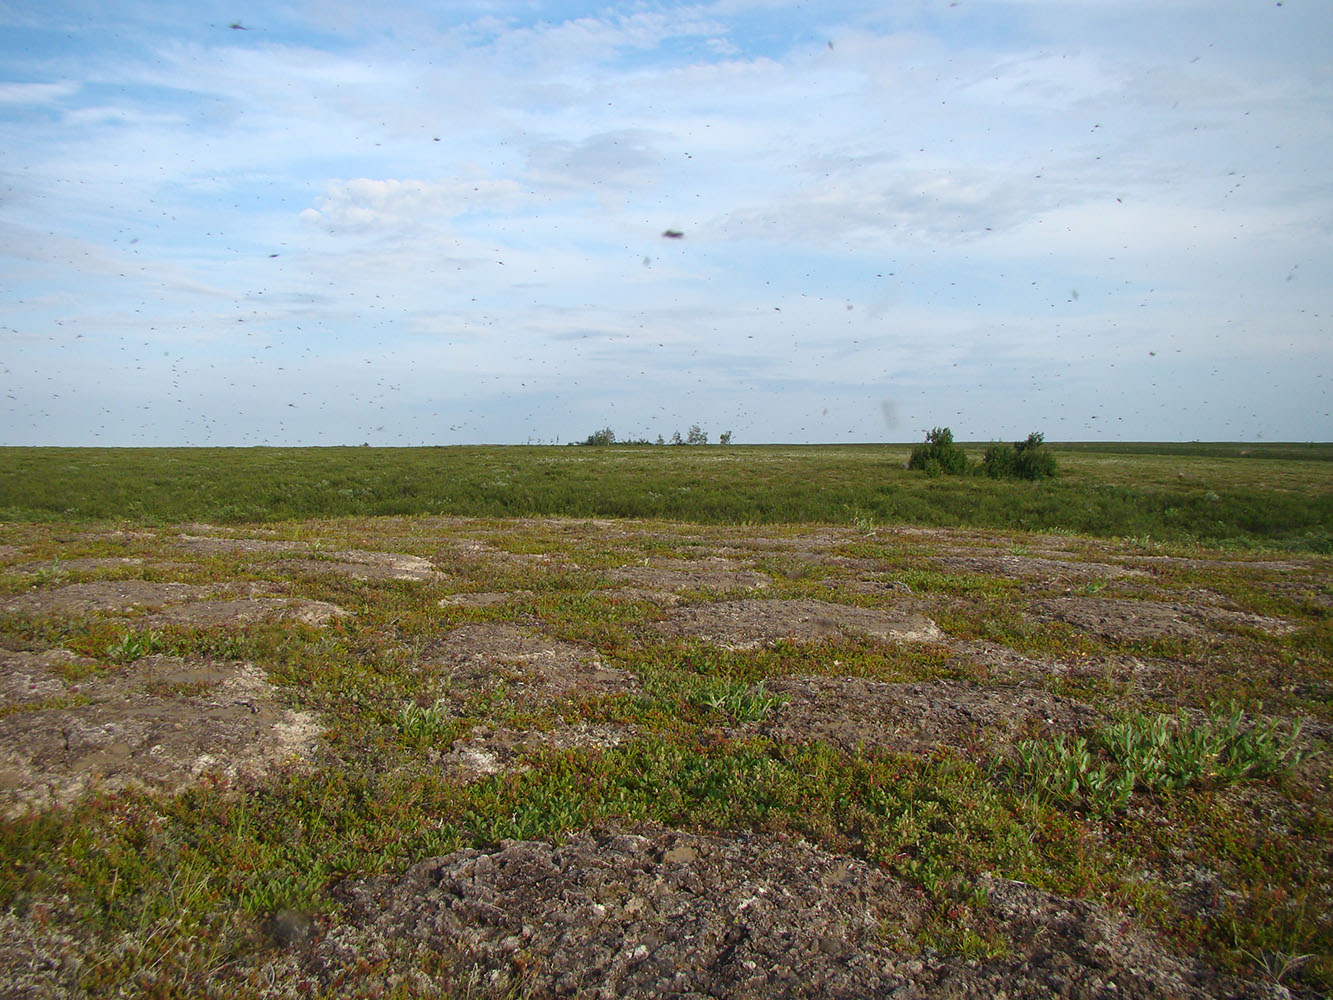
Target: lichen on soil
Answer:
[[498, 674]]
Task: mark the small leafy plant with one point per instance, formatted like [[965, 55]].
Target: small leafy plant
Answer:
[[1166, 753], [1155, 753], [424, 726], [135, 646], [1067, 774], [737, 699]]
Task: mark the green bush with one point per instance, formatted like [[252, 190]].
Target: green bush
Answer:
[[999, 462], [939, 454], [1023, 460]]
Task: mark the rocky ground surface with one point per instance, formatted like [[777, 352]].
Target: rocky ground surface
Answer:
[[612, 911]]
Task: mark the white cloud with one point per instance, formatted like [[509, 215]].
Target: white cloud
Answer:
[[37, 93], [406, 205]]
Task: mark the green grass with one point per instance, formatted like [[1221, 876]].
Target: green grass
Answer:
[[1273, 495]]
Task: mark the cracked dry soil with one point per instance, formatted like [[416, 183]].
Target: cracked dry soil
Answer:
[[610, 911]]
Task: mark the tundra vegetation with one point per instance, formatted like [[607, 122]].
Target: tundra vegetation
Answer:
[[607, 436], [1027, 459], [286, 722]]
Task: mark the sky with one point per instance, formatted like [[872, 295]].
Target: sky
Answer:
[[399, 223]]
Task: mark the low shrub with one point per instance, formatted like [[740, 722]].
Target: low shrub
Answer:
[[939, 455], [1023, 460]]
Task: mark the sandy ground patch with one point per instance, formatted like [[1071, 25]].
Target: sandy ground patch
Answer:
[[103, 596], [170, 603], [1030, 567], [854, 713], [80, 565], [244, 610], [750, 624], [161, 723], [1133, 619], [359, 564], [675, 575], [486, 599], [534, 668], [475, 554], [661, 912]]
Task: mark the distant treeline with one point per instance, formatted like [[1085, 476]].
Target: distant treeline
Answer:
[[697, 435]]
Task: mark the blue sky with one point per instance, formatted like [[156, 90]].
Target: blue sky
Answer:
[[410, 223]]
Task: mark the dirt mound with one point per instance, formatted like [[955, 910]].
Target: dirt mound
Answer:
[[358, 564], [754, 623], [1131, 619], [161, 722], [674, 575], [854, 713], [169, 603], [1029, 567], [103, 595], [244, 610], [359, 570], [534, 668], [486, 599], [658, 912], [476, 554], [82, 565]]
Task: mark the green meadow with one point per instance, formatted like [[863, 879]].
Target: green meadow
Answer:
[[1274, 495]]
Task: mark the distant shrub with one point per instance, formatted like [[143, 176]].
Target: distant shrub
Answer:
[[939, 455], [999, 461], [603, 437], [1022, 460]]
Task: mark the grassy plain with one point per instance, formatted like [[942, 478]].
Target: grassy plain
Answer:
[[1133, 589], [1267, 495]]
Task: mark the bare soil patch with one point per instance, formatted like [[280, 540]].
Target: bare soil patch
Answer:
[[102, 596], [359, 564], [661, 912], [534, 668], [161, 723], [477, 554], [673, 576], [168, 603], [244, 610], [77, 565], [750, 624], [1132, 619], [485, 599], [854, 713], [1030, 567]]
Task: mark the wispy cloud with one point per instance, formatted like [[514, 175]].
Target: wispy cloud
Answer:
[[36, 93]]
